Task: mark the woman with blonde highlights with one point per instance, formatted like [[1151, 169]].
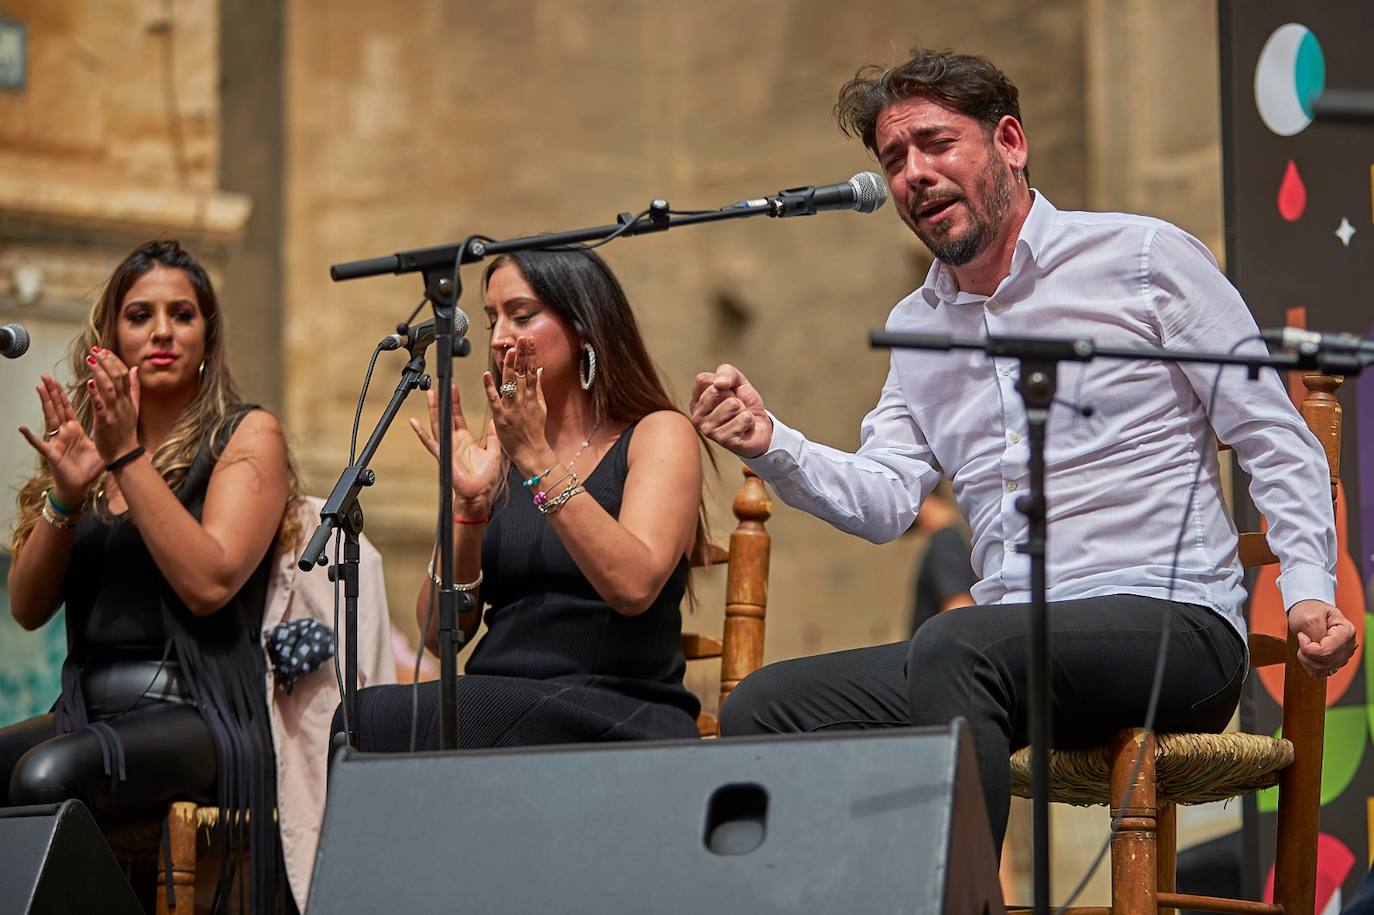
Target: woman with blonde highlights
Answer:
[[152, 518]]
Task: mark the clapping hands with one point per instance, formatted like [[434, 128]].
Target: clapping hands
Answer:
[[70, 454]]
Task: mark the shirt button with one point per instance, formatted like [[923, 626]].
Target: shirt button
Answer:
[[1005, 370], [1011, 486], [1016, 438], [994, 304]]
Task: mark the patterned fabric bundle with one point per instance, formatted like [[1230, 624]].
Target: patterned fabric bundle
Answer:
[[296, 647]]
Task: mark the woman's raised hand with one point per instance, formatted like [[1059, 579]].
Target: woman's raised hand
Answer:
[[476, 462], [517, 407], [114, 401], [70, 454]]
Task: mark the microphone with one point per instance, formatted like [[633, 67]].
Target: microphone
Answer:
[[14, 341], [1310, 342], [419, 336], [864, 192]]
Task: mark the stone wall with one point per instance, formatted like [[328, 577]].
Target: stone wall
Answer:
[[114, 139]]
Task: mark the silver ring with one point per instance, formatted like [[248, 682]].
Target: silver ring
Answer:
[[507, 389], [49, 434]]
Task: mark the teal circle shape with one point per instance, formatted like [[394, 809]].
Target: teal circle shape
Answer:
[[1309, 72]]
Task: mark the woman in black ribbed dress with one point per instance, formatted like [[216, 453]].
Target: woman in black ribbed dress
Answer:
[[575, 510]]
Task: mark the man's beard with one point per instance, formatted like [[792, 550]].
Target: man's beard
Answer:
[[994, 189]]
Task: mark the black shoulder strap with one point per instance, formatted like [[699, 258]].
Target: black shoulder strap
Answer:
[[198, 475]]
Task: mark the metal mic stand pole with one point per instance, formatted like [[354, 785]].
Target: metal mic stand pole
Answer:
[[1037, 385], [342, 511], [450, 324]]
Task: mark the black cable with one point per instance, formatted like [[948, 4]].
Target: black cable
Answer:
[[619, 231], [338, 533], [1157, 685], [415, 312], [358, 412]]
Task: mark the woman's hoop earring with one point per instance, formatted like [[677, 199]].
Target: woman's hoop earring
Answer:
[[589, 375]]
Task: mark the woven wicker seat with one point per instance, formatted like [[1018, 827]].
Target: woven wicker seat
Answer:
[[1189, 769]]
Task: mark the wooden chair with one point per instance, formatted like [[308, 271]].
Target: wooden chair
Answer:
[[740, 648], [1198, 768], [185, 830]]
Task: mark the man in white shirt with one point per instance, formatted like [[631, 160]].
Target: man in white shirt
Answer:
[[1123, 563]]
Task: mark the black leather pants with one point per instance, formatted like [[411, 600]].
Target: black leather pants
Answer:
[[156, 748]]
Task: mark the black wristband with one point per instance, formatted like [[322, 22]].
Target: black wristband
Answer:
[[125, 458]]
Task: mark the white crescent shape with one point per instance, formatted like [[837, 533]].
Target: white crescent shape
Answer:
[[1276, 85]]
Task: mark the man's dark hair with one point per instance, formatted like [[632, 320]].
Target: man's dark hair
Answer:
[[966, 83]]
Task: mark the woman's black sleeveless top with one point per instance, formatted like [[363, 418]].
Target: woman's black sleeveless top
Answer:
[[114, 592], [546, 621]]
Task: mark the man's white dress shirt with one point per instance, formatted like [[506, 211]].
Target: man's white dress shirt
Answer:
[[1117, 482]]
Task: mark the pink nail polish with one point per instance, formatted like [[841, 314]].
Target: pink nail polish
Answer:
[[90, 360]]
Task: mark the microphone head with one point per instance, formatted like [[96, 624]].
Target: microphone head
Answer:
[[460, 322], [18, 342], [870, 191]]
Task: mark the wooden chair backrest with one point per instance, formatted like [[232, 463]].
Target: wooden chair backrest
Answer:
[[740, 647], [1304, 696]]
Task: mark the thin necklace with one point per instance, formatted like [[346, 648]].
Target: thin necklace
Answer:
[[583, 447]]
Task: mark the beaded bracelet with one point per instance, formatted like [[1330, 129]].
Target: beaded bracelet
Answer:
[[534, 480], [542, 497], [551, 506], [553, 483]]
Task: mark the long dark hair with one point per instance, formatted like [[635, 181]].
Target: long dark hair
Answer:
[[580, 288]]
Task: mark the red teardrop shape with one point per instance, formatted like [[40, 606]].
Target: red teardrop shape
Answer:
[[1292, 193]]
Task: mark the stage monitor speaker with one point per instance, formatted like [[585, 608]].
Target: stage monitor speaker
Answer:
[[57, 863], [889, 821]]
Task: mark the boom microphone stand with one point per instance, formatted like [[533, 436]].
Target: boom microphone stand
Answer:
[[440, 266], [1040, 358]]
